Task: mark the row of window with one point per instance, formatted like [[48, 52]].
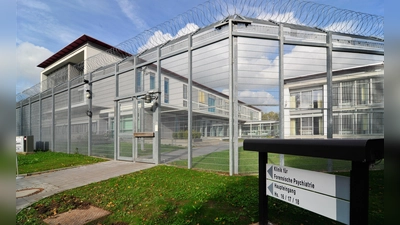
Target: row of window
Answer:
[[344, 94], [343, 124]]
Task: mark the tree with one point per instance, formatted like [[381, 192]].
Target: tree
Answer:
[[272, 116]]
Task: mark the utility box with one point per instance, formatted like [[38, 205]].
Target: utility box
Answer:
[[24, 144]]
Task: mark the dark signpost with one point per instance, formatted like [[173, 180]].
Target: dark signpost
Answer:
[[340, 198]]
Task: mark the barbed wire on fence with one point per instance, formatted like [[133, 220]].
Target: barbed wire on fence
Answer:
[[298, 12]]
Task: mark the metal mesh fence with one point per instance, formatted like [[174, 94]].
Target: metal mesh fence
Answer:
[[35, 124], [242, 80], [47, 123], [103, 92], [79, 121], [61, 122]]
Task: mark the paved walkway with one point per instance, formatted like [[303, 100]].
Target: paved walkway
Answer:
[[58, 181]]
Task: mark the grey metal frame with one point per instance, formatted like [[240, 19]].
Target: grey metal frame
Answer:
[[232, 37]]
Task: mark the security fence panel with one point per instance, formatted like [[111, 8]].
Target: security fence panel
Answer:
[[18, 124], [258, 93], [103, 93], [47, 122], [175, 102], [357, 91], [61, 122], [35, 125], [79, 121], [305, 98], [126, 79], [25, 120], [210, 100]]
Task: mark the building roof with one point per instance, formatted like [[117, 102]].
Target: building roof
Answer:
[[72, 47], [346, 71]]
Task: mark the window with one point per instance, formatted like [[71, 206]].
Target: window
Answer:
[[295, 126], [318, 126], [184, 103], [295, 100], [306, 126], [152, 81], [202, 97], [377, 123], [362, 124], [347, 93], [184, 91], [362, 92], [166, 90], [305, 101], [377, 90], [317, 99], [138, 81], [347, 124], [211, 103], [335, 94]]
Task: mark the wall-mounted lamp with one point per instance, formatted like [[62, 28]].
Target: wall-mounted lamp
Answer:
[[88, 94], [85, 81]]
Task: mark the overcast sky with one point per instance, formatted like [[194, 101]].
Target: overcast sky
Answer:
[[45, 27]]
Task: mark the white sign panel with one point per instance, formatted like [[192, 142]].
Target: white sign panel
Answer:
[[333, 185], [19, 144], [330, 207]]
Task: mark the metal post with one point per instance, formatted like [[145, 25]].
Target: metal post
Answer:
[[359, 189], [281, 91], [189, 95], [235, 106], [69, 117], [40, 122], [30, 117], [116, 123], [53, 119], [262, 188], [21, 119], [90, 117], [134, 110], [329, 91], [231, 103], [157, 115]]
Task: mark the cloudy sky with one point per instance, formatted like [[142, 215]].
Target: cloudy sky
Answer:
[[45, 27]]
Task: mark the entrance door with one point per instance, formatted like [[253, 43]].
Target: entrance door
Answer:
[[143, 147], [125, 131], [134, 116]]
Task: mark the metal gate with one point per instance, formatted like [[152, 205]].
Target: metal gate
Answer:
[[135, 126]]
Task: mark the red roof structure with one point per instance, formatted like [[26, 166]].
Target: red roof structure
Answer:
[[75, 45]]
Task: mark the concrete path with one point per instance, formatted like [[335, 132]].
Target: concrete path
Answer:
[[58, 181]]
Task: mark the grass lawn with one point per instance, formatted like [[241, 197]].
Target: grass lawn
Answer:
[[42, 161], [248, 162], [172, 195]]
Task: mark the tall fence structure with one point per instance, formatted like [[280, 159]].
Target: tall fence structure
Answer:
[[203, 81]]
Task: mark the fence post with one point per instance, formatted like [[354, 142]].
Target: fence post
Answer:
[[116, 123], [69, 117], [53, 119], [189, 100], [281, 90], [40, 122], [329, 92], [90, 116]]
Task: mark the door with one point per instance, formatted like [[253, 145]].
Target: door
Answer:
[[134, 116], [125, 131], [143, 146]]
